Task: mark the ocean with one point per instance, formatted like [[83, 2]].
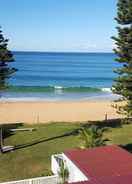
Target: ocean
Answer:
[[61, 76]]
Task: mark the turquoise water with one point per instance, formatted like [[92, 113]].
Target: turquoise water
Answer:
[[61, 76]]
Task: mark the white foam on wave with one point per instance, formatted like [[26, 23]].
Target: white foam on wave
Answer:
[[58, 87], [107, 90]]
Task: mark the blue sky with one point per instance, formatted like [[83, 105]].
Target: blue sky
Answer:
[[59, 25]]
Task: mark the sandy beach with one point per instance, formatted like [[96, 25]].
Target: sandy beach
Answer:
[[42, 112]]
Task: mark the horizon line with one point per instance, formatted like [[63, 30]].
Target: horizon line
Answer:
[[81, 52]]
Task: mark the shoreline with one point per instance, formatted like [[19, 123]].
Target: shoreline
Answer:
[[99, 98], [58, 111], [56, 100]]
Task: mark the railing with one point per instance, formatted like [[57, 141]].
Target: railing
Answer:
[[41, 180], [55, 163], [59, 158]]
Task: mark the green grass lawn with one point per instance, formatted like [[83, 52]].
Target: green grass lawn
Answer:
[[121, 135], [35, 160]]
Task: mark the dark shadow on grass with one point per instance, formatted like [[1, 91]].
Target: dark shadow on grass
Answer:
[[102, 124], [75, 132], [42, 140], [6, 132], [110, 123], [127, 147]]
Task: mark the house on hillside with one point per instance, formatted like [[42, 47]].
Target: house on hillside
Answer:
[[102, 165]]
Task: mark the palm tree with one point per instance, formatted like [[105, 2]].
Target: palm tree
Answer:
[[63, 173], [92, 136]]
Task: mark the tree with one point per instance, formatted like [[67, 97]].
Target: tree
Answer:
[[92, 137], [63, 173], [5, 58], [123, 83]]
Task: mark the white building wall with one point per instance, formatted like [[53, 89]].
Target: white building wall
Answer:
[[75, 174]]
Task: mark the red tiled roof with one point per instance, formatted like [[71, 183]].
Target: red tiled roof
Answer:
[[110, 163], [88, 182], [124, 179], [127, 179]]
